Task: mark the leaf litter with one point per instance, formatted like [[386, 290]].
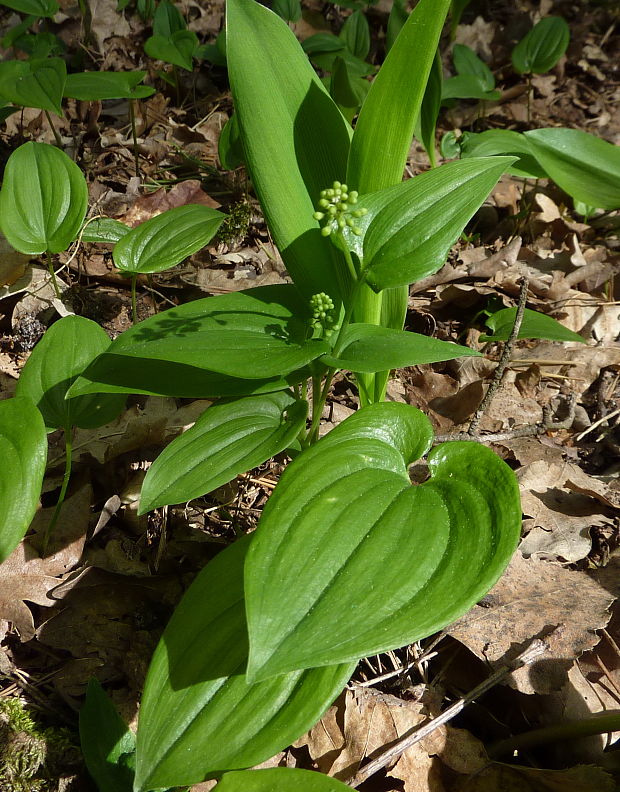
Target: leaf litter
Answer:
[[97, 600]]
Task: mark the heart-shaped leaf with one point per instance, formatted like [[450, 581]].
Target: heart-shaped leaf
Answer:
[[34, 83], [258, 334], [23, 449], [410, 227], [583, 165], [345, 532], [533, 325], [88, 86], [370, 348], [167, 20], [61, 355], [279, 779], [467, 62], [199, 716], [467, 86], [178, 48], [356, 34], [43, 199], [228, 439], [166, 239], [542, 47], [37, 8], [107, 742]]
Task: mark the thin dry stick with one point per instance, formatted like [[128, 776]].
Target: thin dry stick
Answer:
[[533, 652], [503, 361]]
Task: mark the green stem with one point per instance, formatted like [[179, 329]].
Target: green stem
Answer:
[[319, 397], [50, 268], [529, 98], [63, 489], [54, 130], [132, 119], [602, 723], [134, 307]]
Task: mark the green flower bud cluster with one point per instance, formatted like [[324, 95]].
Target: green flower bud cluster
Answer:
[[322, 306], [335, 206]]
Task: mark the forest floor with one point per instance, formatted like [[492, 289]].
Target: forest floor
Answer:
[[96, 603]]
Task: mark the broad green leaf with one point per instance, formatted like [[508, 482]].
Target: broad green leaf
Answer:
[[280, 779], [288, 10], [503, 142], [357, 67], [229, 147], [166, 239], [104, 229], [178, 48], [199, 716], [23, 449], [467, 62], [356, 34], [229, 438], [542, 47], [409, 228], [583, 165], [533, 325], [346, 533], [167, 20], [322, 43], [37, 8], [107, 742], [34, 83], [43, 199], [66, 349], [466, 86], [431, 104], [258, 334], [369, 348], [295, 139], [88, 86]]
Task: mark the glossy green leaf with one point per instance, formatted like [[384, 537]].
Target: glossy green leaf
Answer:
[[356, 34], [43, 199], [409, 228], [503, 142], [229, 438], [288, 10], [345, 532], [466, 86], [34, 83], [66, 349], [229, 146], [279, 779], [467, 62], [107, 742], [254, 334], [167, 239], [542, 47], [23, 449], [104, 229], [369, 348], [88, 86], [167, 20], [583, 165], [37, 8], [533, 325], [178, 48], [199, 716], [295, 139]]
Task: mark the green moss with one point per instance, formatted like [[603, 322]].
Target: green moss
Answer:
[[235, 226]]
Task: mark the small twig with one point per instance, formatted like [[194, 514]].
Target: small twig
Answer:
[[503, 361], [533, 652], [598, 423]]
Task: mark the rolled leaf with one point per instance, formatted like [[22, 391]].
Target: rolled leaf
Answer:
[[583, 165], [541, 48], [370, 348], [256, 334], [228, 439], [345, 532], [431, 104], [66, 349], [88, 86], [279, 778], [43, 199], [533, 325], [296, 141], [34, 83], [23, 449], [167, 20], [199, 716], [167, 239]]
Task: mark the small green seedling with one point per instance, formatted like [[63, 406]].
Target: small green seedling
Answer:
[[43, 201], [474, 79], [533, 325], [172, 42], [38, 82]]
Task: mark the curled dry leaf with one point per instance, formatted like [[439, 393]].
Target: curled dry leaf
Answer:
[[537, 599]]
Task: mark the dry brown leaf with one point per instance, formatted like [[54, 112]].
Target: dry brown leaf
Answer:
[[185, 192], [536, 599], [509, 778], [559, 516]]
